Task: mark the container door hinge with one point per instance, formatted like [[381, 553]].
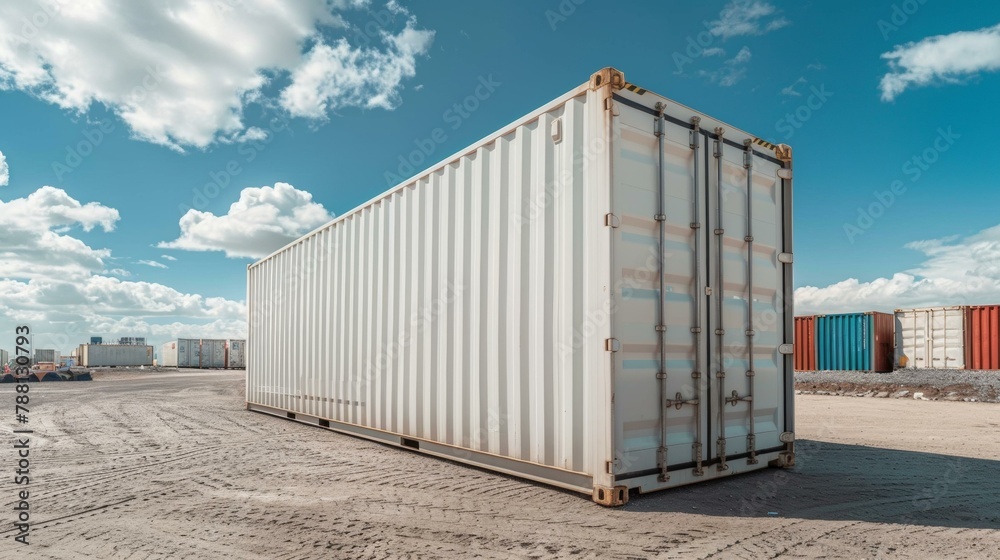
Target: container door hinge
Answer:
[[609, 105], [785, 258], [613, 466], [610, 220], [785, 349], [612, 345], [786, 437], [784, 173], [661, 463], [752, 449]]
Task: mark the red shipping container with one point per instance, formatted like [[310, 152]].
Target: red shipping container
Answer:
[[805, 343], [982, 337]]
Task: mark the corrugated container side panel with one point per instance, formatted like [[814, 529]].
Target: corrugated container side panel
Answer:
[[805, 343], [855, 341], [105, 355], [452, 307], [982, 346]]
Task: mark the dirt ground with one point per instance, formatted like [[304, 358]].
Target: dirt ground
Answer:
[[170, 465]]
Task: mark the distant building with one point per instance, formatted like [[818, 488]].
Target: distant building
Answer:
[[132, 341]]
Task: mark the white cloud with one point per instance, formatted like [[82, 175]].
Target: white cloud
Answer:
[[741, 57], [942, 58], [4, 171], [168, 257], [732, 71], [334, 76], [64, 314], [714, 51], [154, 264], [955, 271], [60, 285], [746, 17], [791, 91], [181, 73], [263, 220], [32, 235]]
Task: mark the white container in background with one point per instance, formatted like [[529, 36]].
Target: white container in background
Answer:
[[183, 352], [502, 307], [213, 353], [117, 355], [931, 337], [236, 354]]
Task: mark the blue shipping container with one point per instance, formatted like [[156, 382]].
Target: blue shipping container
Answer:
[[855, 341]]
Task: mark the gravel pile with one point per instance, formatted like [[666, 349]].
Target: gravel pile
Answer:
[[929, 384]]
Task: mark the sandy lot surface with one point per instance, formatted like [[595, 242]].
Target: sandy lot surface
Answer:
[[170, 465]]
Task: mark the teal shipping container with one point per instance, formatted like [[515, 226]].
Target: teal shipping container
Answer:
[[855, 341]]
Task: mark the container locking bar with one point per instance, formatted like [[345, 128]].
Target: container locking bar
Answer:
[[751, 434], [661, 316], [720, 331], [695, 143]]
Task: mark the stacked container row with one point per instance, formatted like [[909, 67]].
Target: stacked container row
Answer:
[[204, 353], [854, 341], [957, 337]]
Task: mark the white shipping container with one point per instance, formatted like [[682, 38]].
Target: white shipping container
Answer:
[[213, 353], [118, 355], [236, 354], [45, 355], [931, 337], [183, 352], [597, 296]]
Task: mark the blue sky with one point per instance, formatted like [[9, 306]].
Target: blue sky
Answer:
[[117, 119]]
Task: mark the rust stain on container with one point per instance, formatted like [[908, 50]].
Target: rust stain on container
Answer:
[[805, 343], [982, 337]]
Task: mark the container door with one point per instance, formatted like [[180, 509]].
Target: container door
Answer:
[[689, 306], [947, 348], [660, 368], [746, 326], [922, 339]]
